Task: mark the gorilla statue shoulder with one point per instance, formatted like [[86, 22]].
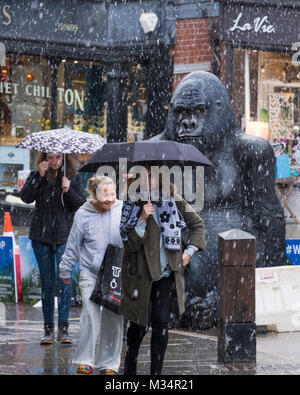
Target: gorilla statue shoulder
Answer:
[[239, 191]]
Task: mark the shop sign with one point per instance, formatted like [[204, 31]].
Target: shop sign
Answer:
[[292, 250], [31, 282], [30, 277], [259, 25], [7, 272], [86, 23], [63, 21], [71, 97], [267, 276], [5, 15]]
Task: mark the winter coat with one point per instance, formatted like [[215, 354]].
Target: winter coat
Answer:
[[90, 234], [54, 211], [141, 264]]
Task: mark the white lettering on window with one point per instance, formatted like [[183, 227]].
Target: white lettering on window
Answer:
[[28, 92], [296, 56], [79, 100], [69, 97]]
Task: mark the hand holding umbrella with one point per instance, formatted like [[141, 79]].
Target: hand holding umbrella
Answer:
[[43, 168], [65, 185], [147, 210]]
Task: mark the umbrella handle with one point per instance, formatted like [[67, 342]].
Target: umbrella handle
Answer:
[[65, 170], [148, 188], [65, 173]]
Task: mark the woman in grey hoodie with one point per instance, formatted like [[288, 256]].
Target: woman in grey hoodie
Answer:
[[96, 224]]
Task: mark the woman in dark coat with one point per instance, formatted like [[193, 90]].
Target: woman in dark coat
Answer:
[[154, 261], [57, 197]]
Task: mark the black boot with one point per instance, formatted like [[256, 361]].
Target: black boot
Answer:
[[130, 365], [135, 335], [159, 342], [63, 335], [48, 335]]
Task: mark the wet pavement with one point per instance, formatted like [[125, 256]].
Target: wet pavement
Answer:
[[188, 353]]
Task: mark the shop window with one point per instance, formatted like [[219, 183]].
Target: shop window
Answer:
[[24, 97], [239, 85], [81, 97], [274, 100], [25, 101], [279, 96], [137, 103]]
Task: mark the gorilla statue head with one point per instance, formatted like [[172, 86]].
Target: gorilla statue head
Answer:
[[200, 112]]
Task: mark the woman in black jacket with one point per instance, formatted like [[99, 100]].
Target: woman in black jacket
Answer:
[[56, 199]]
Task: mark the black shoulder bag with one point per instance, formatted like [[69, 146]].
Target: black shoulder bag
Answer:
[[107, 291]]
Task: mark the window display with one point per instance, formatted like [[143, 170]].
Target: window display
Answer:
[[24, 107], [81, 98], [27, 98], [24, 97], [273, 100], [279, 94], [137, 103], [279, 99], [82, 85]]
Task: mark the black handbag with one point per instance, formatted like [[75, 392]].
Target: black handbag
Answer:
[[107, 291], [185, 234]]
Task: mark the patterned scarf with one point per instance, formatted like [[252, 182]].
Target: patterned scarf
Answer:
[[170, 221]]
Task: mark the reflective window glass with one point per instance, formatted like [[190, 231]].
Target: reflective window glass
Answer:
[[25, 100], [137, 103], [81, 96]]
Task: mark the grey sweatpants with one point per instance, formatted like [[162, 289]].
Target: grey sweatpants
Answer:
[[101, 332]]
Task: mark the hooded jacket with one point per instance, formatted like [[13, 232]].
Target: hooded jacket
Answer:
[[54, 210], [90, 234]]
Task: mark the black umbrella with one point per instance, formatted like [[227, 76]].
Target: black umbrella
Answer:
[[148, 153]]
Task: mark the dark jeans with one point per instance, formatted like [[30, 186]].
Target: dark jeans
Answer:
[[159, 316], [48, 258]]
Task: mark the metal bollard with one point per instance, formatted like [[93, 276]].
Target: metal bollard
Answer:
[[236, 303]]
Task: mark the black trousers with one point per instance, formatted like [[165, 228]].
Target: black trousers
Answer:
[[159, 316]]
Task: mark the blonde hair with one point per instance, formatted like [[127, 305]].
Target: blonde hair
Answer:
[[94, 182]]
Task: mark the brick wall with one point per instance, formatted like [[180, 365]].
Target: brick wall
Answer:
[[193, 44], [223, 62]]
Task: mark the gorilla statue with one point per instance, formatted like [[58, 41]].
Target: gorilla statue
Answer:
[[239, 191]]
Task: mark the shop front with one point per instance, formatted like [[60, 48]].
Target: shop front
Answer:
[[262, 41], [89, 65], [263, 62]]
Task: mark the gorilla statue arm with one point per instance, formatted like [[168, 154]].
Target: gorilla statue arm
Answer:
[[260, 202], [160, 136]]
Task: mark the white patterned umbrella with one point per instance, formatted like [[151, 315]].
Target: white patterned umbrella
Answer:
[[63, 141]]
